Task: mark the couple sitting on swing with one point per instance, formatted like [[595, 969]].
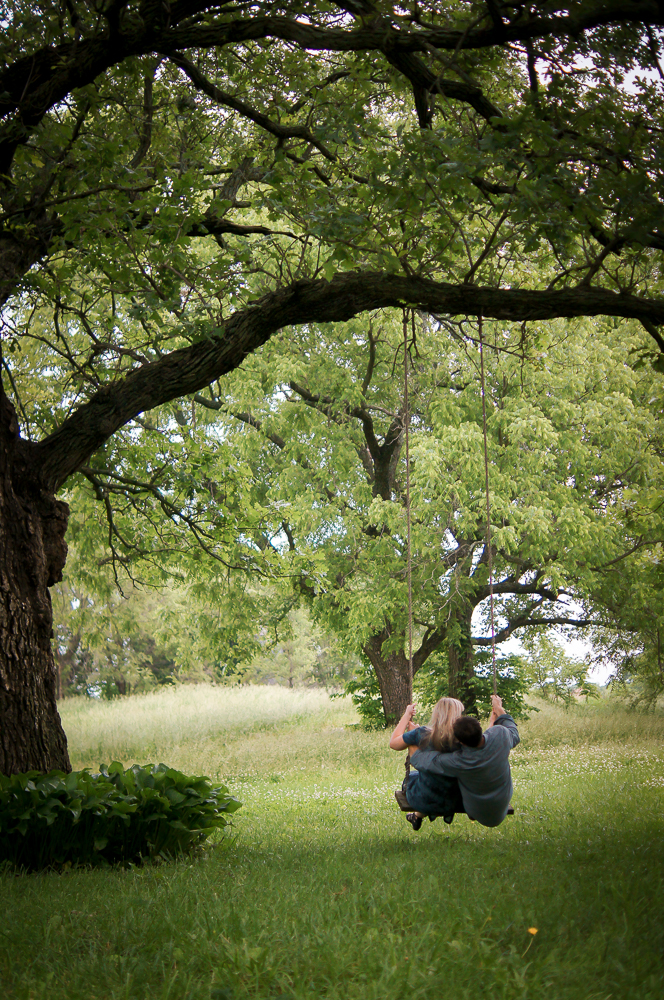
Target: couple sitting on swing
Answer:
[[459, 767]]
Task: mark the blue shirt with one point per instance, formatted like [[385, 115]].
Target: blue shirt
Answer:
[[428, 793]]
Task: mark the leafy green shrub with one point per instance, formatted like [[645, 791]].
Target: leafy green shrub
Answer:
[[512, 681], [117, 815]]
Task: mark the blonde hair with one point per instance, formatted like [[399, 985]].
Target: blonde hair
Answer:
[[445, 713]]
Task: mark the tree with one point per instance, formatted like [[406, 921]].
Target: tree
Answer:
[[158, 156], [108, 643], [630, 633], [556, 675], [299, 654], [572, 432]]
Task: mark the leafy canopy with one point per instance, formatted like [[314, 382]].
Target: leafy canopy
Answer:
[[318, 514], [179, 182], [176, 164]]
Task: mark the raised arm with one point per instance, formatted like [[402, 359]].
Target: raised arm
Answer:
[[404, 723]]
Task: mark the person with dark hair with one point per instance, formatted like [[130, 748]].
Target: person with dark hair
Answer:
[[468, 731], [481, 765]]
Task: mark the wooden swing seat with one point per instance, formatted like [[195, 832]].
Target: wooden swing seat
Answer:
[[402, 802]]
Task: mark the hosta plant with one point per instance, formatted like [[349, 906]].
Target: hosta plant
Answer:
[[117, 815]]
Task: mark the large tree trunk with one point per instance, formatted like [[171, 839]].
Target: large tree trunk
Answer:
[[461, 676], [32, 555], [392, 673]]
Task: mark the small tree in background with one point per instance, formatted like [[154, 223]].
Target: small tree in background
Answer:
[[630, 636], [299, 654], [555, 675], [111, 645]]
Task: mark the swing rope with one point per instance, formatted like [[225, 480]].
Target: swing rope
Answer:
[[406, 417], [488, 507], [408, 533]]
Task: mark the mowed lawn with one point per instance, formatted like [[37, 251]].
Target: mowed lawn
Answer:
[[322, 889]]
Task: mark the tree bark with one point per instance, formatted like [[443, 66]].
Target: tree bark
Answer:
[[392, 673], [461, 657], [32, 555]]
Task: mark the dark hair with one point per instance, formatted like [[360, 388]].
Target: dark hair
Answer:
[[468, 730]]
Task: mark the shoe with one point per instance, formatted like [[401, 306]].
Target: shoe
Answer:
[[415, 821]]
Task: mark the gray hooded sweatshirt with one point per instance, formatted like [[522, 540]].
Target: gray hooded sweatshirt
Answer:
[[484, 773]]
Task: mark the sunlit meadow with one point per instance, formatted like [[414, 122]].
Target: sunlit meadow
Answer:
[[323, 890]]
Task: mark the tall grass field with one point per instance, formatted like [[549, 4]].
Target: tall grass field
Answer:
[[322, 889]]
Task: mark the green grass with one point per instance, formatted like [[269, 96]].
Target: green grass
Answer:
[[325, 891]]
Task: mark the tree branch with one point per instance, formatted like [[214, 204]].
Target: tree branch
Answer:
[[127, 485], [307, 301], [211, 225], [523, 622], [221, 97], [145, 139], [37, 81], [510, 586]]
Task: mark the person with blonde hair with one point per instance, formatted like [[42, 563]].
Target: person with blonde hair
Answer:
[[424, 794]]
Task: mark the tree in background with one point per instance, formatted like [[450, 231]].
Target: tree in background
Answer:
[[112, 644], [195, 168], [573, 433], [116, 644], [301, 655], [555, 675], [631, 637]]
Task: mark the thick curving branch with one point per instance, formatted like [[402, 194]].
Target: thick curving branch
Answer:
[[36, 82], [281, 132], [506, 632], [307, 301]]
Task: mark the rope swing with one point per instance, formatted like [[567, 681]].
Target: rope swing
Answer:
[[488, 506], [401, 796], [406, 418], [409, 572]]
